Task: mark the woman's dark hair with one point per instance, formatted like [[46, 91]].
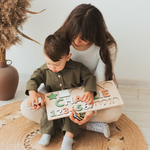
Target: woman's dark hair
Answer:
[[55, 47], [87, 20]]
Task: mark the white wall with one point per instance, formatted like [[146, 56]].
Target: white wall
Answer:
[[128, 21]]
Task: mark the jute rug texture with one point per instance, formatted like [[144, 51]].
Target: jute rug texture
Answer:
[[19, 133]]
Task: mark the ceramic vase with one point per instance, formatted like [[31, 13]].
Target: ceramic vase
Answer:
[[8, 80]]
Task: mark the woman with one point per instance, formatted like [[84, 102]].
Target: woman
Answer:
[[93, 45]]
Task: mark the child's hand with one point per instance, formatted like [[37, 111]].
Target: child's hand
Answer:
[[88, 97], [88, 116], [33, 100]]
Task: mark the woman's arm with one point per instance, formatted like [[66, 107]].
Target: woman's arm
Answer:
[[100, 69], [113, 53]]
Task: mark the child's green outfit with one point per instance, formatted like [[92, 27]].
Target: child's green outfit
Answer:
[[73, 75]]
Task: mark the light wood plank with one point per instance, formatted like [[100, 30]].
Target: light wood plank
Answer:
[[137, 105], [136, 84], [139, 118], [146, 133], [144, 94], [129, 93], [147, 139]]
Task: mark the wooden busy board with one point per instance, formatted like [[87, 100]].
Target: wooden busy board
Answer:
[[60, 103]]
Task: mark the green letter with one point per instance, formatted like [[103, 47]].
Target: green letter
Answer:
[[56, 103]]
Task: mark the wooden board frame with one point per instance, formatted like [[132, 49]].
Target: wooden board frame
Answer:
[[60, 107]]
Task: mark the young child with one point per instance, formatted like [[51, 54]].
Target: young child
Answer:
[[59, 73]]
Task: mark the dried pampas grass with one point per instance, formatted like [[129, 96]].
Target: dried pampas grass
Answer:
[[13, 14]]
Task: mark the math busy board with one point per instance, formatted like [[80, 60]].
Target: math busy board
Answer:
[[60, 103]]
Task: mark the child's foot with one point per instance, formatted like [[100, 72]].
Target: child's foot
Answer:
[[99, 127], [67, 143], [45, 139]]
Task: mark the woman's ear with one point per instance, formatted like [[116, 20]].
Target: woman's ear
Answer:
[[69, 56]]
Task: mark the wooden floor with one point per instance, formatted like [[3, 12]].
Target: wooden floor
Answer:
[[136, 107]]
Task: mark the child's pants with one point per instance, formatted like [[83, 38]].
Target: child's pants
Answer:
[[50, 127]]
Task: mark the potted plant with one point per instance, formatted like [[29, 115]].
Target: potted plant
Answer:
[[13, 14]]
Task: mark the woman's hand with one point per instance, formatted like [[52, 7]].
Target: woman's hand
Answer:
[[88, 116], [33, 100], [88, 97]]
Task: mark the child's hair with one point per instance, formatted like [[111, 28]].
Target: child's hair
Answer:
[[55, 47], [88, 20]]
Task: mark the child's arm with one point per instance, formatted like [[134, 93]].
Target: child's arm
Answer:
[[88, 116], [89, 83], [33, 83], [33, 99], [88, 97]]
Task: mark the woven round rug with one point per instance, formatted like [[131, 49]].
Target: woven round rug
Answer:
[[19, 133]]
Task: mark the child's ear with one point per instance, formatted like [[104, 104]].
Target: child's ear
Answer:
[[69, 56]]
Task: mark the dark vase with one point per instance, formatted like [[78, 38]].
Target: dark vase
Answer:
[[8, 80]]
